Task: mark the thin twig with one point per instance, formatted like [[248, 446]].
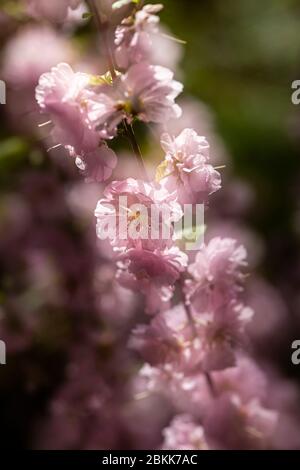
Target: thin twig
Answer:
[[136, 149], [104, 29], [187, 307], [210, 384], [192, 323]]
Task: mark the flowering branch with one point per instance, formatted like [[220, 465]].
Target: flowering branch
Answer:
[[189, 347], [103, 28]]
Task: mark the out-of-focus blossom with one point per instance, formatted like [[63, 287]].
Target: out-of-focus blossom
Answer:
[[33, 51], [166, 51], [235, 200], [235, 403], [270, 326], [76, 16], [133, 36], [222, 334], [209, 344], [153, 273], [246, 379], [232, 424], [186, 167], [217, 274], [196, 115], [110, 295], [184, 433], [116, 4], [189, 394], [83, 413], [168, 339], [62, 94], [55, 10], [128, 166], [141, 214]]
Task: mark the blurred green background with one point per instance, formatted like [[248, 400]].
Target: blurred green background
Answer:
[[241, 59]]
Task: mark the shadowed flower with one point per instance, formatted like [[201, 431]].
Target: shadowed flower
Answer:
[[62, 94], [209, 344], [168, 338], [221, 335], [146, 91], [55, 10], [153, 273], [217, 274], [251, 425], [33, 51]]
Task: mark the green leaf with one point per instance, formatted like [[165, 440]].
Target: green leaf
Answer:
[[87, 15]]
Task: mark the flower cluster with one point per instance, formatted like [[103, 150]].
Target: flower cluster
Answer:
[[87, 110], [56, 10], [186, 167], [192, 344]]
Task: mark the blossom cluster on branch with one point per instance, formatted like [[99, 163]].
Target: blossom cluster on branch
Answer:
[[193, 343]]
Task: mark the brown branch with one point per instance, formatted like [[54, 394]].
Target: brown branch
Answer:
[[103, 27]]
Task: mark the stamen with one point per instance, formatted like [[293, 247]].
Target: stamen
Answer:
[[167, 36], [54, 147], [45, 124]]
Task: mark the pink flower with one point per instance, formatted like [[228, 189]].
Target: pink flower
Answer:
[[133, 36], [145, 91], [221, 335], [168, 338], [55, 10], [33, 51], [209, 344], [217, 274], [186, 167], [189, 394], [140, 215], [153, 273], [246, 379], [233, 424], [184, 433], [62, 94]]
